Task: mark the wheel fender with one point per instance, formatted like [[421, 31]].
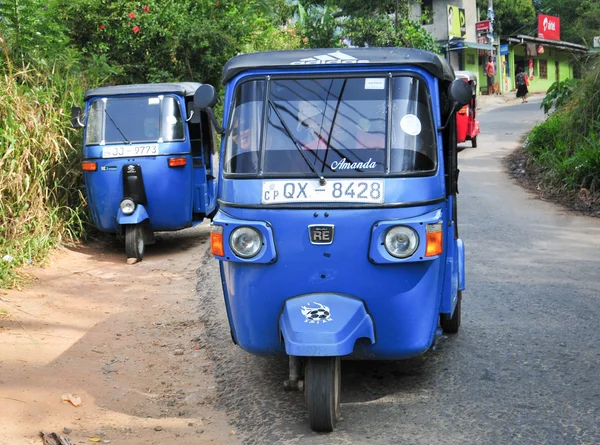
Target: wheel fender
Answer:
[[139, 214], [318, 325]]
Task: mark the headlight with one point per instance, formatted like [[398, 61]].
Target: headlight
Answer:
[[401, 241], [127, 206], [245, 242]]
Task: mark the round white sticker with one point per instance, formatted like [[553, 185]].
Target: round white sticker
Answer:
[[410, 124], [171, 120]]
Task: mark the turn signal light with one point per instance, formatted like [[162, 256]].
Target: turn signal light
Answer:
[[462, 111], [216, 240], [89, 166], [177, 162], [434, 240]]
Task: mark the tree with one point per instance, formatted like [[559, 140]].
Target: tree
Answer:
[[511, 16]]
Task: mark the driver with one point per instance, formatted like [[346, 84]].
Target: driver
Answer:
[[243, 151]]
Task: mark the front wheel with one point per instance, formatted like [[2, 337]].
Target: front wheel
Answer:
[[134, 242], [450, 325], [474, 142], [322, 387]]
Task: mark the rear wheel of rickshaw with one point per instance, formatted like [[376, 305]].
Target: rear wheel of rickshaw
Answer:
[[134, 242], [322, 388], [474, 142], [449, 324]]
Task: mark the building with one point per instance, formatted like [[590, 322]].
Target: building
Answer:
[[453, 24], [465, 42]]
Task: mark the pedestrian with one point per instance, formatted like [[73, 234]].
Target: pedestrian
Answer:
[[490, 71], [522, 84]]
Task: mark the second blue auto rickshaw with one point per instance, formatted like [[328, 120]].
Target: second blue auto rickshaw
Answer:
[[147, 160], [336, 233]]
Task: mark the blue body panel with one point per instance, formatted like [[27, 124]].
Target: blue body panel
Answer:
[[393, 304], [177, 197], [169, 192], [321, 333], [404, 299]]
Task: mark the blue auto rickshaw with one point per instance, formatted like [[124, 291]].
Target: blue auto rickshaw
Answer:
[[336, 233], [147, 160]]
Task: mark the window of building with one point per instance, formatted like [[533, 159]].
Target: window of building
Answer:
[[427, 12], [543, 67]]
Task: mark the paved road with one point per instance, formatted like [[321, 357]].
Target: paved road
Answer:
[[524, 368]]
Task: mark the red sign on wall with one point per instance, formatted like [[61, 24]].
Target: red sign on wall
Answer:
[[482, 26], [548, 27]]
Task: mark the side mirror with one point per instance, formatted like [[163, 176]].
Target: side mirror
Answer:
[[76, 117], [205, 96], [460, 93]]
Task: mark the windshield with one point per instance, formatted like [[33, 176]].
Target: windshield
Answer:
[[134, 119], [331, 126]]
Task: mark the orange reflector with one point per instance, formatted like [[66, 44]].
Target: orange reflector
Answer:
[[89, 166], [177, 162], [462, 111], [216, 240], [434, 240]]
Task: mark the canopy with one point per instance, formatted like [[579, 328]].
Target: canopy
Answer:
[[312, 58]]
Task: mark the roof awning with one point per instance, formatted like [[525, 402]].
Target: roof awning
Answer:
[[455, 46]]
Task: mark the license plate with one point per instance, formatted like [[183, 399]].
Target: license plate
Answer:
[[129, 151], [368, 191]]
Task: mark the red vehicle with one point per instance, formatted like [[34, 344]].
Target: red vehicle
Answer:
[[467, 126]]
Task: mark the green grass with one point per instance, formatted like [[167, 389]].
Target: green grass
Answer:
[[41, 196]]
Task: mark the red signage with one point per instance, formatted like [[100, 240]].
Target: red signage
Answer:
[[548, 27], [482, 26]]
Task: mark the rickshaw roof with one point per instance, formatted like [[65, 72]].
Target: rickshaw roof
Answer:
[[181, 88], [466, 75], [363, 57]]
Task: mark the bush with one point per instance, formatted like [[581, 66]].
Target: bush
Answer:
[[41, 197], [567, 145]]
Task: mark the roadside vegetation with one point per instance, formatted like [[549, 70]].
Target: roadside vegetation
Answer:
[[566, 147]]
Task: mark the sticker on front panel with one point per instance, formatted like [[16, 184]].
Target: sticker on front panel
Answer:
[[316, 314], [373, 83]]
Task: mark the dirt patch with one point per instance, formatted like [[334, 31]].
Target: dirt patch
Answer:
[[122, 338], [526, 173]]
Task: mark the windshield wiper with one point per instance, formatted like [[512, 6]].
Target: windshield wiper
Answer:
[[322, 180], [116, 126], [337, 108]]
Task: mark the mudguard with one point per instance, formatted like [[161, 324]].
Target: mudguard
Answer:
[[324, 325], [139, 214]]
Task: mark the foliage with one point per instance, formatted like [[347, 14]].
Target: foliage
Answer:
[[319, 26], [382, 31], [41, 199], [31, 28], [173, 40], [325, 23], [511, 16], [567, 145], [558, 95]]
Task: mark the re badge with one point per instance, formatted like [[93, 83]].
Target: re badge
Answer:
[[321, 233]]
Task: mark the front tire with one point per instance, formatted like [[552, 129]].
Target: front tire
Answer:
[[134, 242], [474, 142], [322, 386], [450, 325]]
